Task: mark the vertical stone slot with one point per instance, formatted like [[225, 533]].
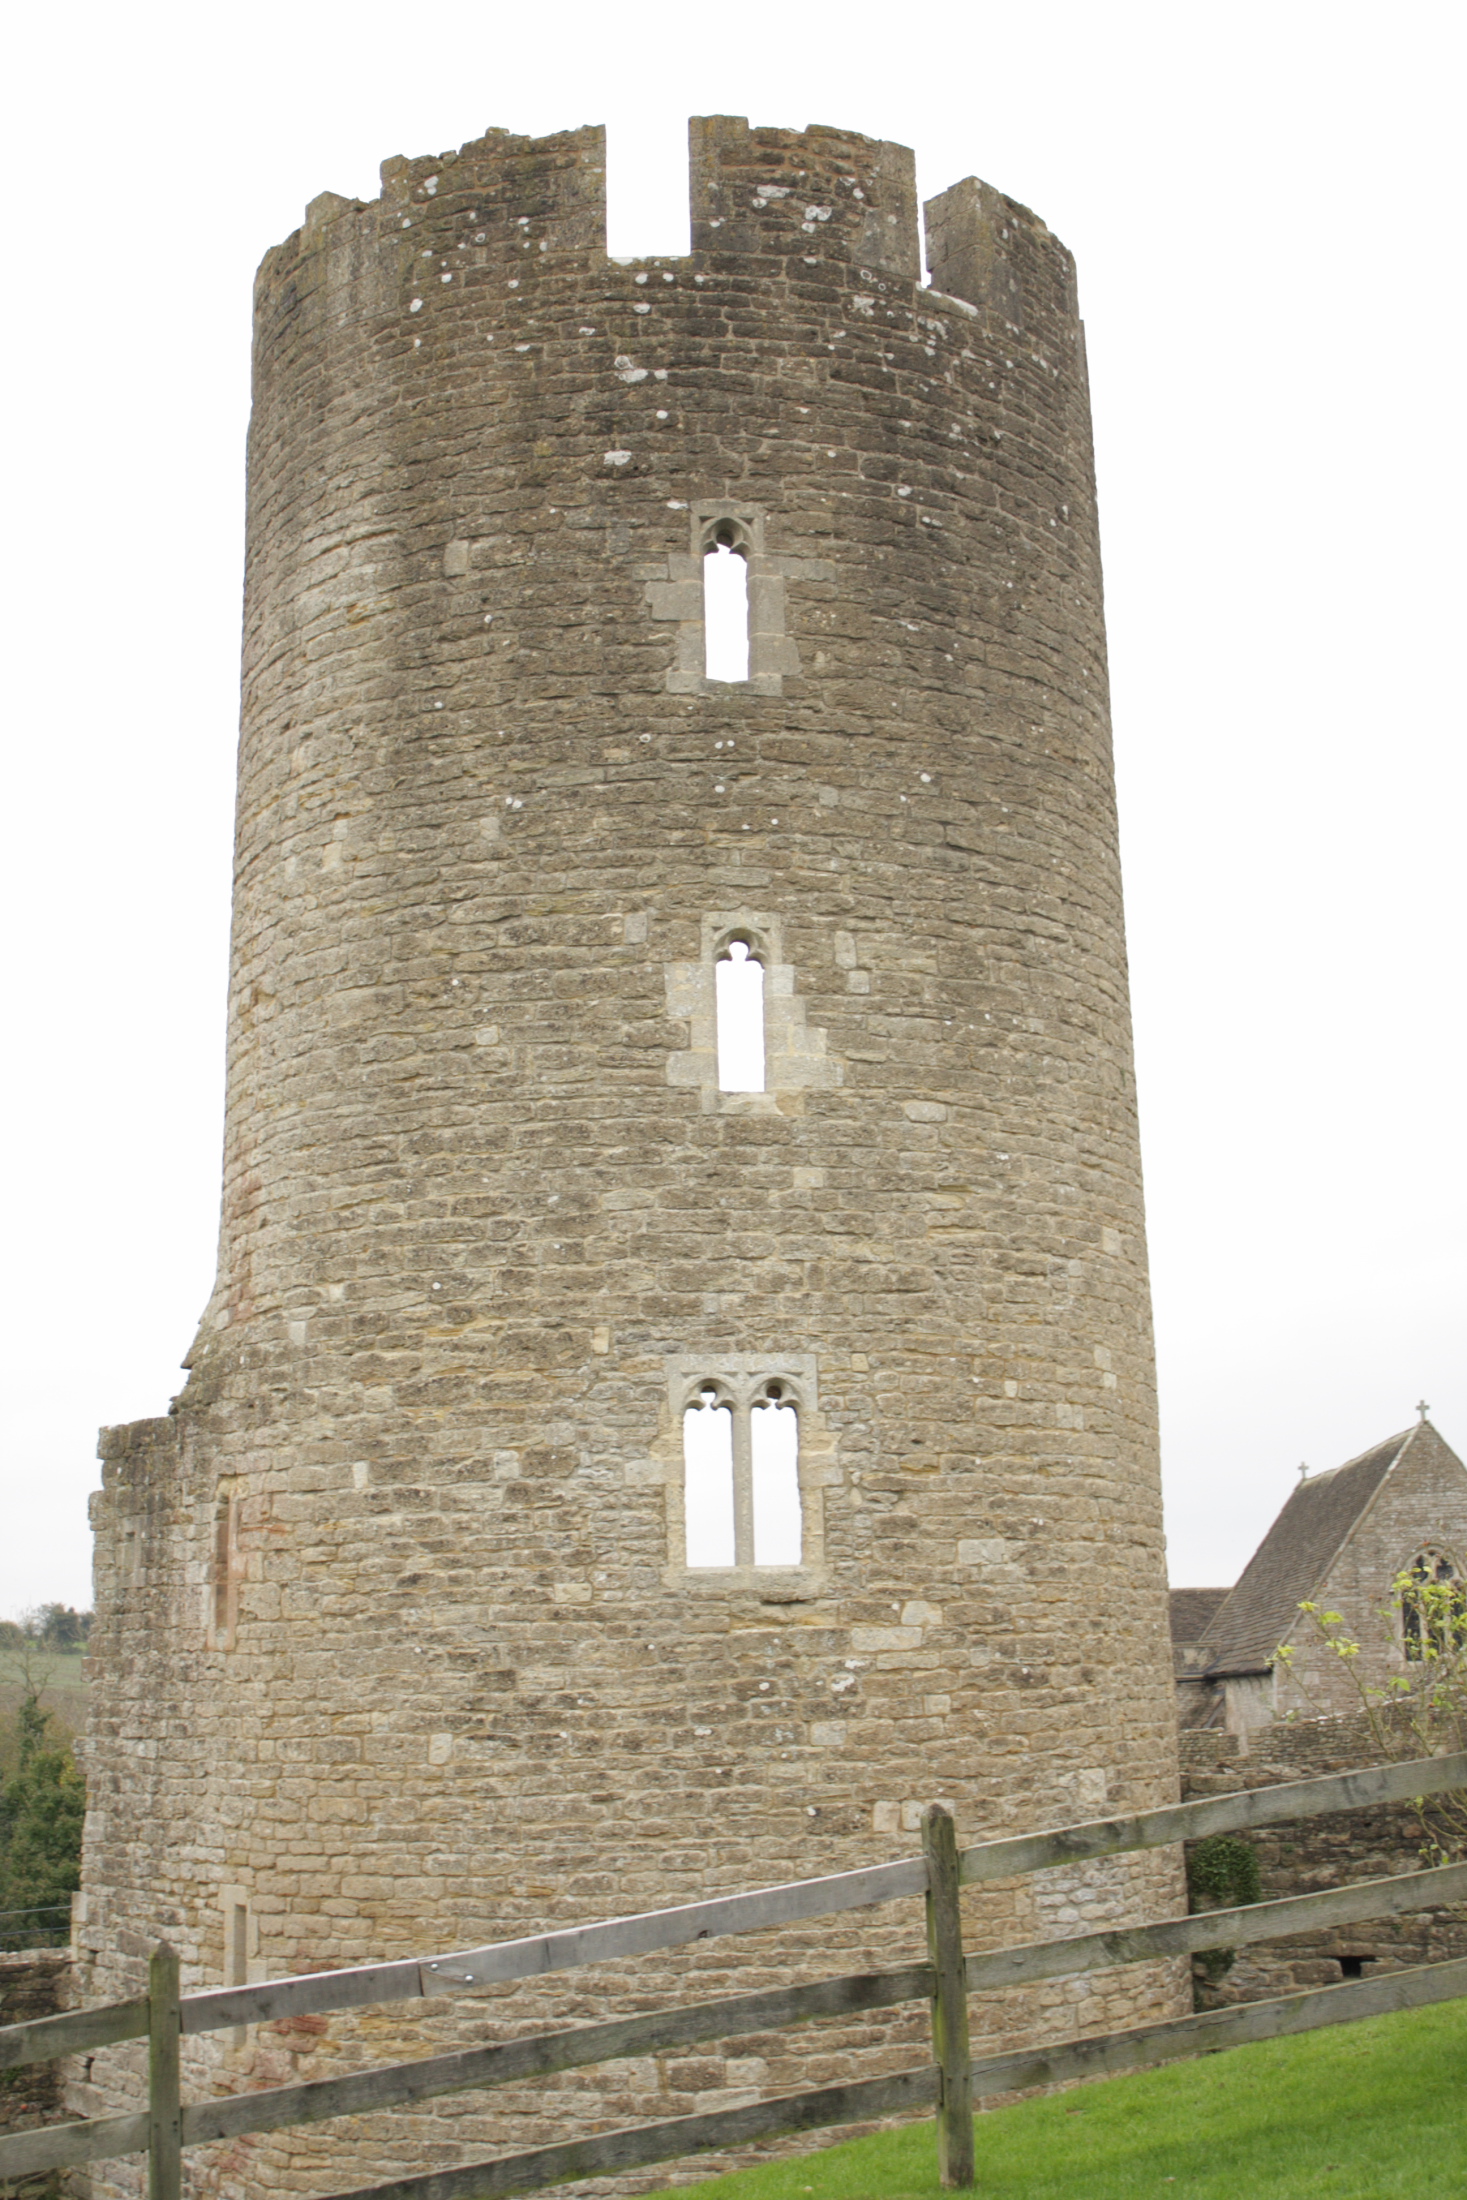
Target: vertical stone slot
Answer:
[[224, 1602], [236, 1959], [738, 978]]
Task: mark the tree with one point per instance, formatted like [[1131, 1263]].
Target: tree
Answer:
[[57, 1626], [42, 1805], [1421, 1712]]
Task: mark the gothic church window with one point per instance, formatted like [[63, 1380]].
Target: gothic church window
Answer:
[[1433, 1609]]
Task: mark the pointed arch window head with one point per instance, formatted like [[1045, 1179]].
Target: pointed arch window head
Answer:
[[738, 979], [725, 602]]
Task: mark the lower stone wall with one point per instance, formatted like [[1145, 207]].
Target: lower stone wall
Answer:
[[35, 1982], [1308, 1855], [715, 2075]]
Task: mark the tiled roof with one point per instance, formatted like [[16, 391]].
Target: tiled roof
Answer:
[[1192, 1612], [1292, 1560]]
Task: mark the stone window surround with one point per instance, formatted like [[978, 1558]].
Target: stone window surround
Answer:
[[739, 1377], [795, 1059], [674, 592]]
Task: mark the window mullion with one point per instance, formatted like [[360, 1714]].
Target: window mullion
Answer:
[[743, 1486]]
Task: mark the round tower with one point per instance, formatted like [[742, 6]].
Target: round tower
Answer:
[[613, 1470]]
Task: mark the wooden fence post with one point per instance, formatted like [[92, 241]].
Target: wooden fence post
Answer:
[[950, 2002], [165, 2111]]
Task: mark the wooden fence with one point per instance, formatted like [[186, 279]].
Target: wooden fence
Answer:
[[47, 1927], [949, 2083]]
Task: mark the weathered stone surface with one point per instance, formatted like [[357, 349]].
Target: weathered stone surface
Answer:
[[34, 1982], [405, 1656]]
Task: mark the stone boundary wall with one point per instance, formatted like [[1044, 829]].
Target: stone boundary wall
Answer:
[[34, 1982], [1306, 1856]]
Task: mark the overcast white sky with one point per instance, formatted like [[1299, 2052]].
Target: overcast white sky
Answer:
[[1265, 204]]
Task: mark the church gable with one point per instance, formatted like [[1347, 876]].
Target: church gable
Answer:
[[1295, 1559], [1341, 1542], [1418, 1513]]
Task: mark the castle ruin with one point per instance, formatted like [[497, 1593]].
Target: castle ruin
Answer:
[[603, 1477]]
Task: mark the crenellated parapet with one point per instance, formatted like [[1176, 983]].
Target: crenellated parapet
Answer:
[[512, 194], [1001, 258], [803, 198], [803, 195]]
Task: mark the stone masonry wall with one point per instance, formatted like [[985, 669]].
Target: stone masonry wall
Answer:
[[396, 1650], [1308, 1855], [34, 1982]]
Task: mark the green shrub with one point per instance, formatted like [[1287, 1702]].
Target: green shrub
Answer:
[[1223, 1874]]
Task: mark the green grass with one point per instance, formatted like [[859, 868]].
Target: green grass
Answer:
[[1369, 2111]]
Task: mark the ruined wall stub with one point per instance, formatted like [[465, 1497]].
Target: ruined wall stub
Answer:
[[395, 1648]]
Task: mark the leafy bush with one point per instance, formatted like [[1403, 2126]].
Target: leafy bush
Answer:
[[1222, 1874], [1421, 1712]]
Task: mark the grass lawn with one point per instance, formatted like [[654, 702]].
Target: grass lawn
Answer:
[[1367, 2111]]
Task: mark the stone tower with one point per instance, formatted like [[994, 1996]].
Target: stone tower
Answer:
[[399, 1643]]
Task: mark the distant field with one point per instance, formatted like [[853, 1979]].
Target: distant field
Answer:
[[64, 1692]]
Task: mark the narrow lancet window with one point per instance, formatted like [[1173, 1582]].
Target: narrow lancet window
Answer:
[[774, 1465], [708, 1481], [725, 611], [739, 982]]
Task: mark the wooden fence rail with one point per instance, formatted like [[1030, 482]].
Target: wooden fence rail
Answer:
[[915, 2090], [950, 2082]]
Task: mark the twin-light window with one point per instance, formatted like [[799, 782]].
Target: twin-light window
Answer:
[[741, 1477]]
